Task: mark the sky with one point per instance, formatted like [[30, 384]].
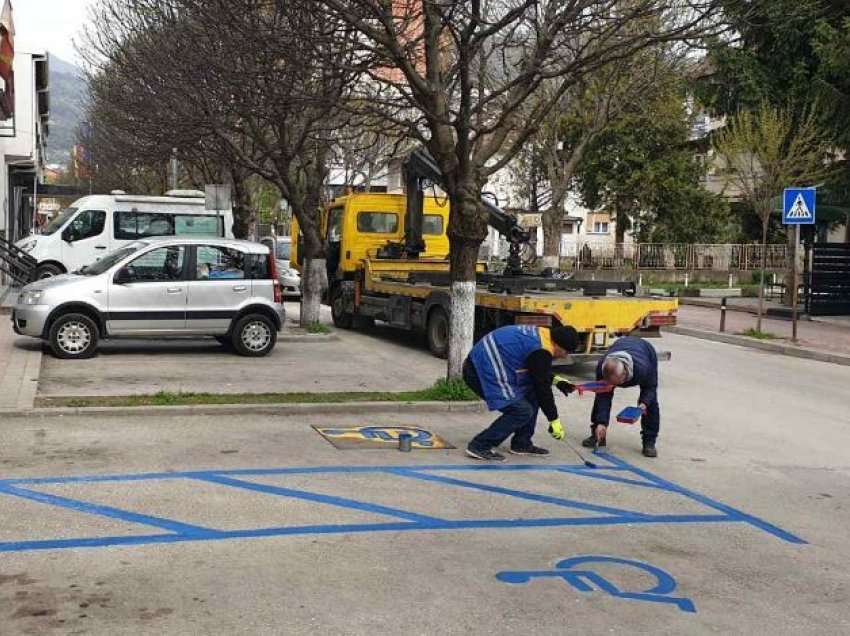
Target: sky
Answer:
[[50, 25]]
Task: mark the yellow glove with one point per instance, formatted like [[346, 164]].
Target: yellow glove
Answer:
[[556, 430], [563, 384]]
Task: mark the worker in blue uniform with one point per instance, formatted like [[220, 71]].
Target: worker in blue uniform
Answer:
[[629, 362], [511, 369]]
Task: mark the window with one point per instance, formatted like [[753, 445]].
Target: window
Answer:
[[335, 217], [197, 225], [600, 227], [88, 223], [59, 220], [432, 225], [219, 263], [133, 225], [568, 228], [163, 264], [377, 222]]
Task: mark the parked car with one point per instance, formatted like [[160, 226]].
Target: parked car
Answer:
[[290, 279], [159, 288], [96, 225]]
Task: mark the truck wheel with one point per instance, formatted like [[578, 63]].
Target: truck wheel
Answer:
[[254, 336], [438, 332], [73, 336], [46, 271], [341, 318]]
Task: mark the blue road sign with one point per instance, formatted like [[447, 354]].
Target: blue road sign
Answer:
[[799, 206]]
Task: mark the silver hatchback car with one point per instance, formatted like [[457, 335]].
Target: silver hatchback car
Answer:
[[159, 288]]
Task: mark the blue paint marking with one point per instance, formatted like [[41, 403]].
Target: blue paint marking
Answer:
[[521, 494], [584, 580], [330, 500], [610, 468]]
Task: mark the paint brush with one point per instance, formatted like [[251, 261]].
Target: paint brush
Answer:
[[587, 463]]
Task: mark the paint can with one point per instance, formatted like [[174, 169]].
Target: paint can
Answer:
[[405, 442]]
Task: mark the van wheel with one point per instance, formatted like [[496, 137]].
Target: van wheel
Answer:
[[47, 271], [73, 336], [438, 332], [254, 336], [341, 318]]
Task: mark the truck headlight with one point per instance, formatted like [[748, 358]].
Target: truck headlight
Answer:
[[29, 246], [32, 297]]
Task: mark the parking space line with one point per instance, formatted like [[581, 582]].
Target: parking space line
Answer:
[[520, 494], [733, 513], [614, 478], [330, 500], [107, 511]]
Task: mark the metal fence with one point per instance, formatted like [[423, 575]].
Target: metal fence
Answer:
[[672, 256]]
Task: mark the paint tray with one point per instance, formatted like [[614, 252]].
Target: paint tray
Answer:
[[597, 386], [629, 415]]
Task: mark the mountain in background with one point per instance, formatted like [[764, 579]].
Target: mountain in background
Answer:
[[67, 107]]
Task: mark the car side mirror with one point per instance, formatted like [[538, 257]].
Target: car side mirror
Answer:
[[123, 276], [69, 235]]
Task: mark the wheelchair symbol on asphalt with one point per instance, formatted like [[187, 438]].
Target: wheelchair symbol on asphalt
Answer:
[[585, 579]]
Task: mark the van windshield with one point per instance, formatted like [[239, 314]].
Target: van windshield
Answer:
[[98, 267], [59, 220]]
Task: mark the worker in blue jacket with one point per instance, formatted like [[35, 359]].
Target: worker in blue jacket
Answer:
[[629, 362], [511, 369]]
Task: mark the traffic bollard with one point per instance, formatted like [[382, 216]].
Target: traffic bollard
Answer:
[[722, 315]]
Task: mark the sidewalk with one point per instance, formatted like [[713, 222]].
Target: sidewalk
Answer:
[[816, 335], [20, 366]]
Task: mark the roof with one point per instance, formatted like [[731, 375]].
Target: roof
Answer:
[[244, 246]]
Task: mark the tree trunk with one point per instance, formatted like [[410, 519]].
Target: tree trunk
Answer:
[[243, 214], [764, 224], [552, 225], [464, 256], [315, 283]]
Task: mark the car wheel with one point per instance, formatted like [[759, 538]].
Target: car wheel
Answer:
[[341, 318], [438, 332], [254, 336], [73, 336], [47, 271]]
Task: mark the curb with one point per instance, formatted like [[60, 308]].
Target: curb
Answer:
[[254, 409], [771, 347], [307, 337]]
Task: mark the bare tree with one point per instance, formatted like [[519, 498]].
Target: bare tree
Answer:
[[461, 77], [265, 79], [766, 151]]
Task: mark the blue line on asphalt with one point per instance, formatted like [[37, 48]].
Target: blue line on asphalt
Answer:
[[107, 511], [521, 494], [494, 524], [733, 513], [258, 472], [331, 500], [619, 480]]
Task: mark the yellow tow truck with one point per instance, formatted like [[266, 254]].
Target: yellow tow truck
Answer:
[[387, 258]]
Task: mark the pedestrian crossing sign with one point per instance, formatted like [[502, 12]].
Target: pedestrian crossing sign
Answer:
[[799, 206]]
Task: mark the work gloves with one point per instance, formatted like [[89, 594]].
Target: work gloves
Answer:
[[563, 385], [556, 430]]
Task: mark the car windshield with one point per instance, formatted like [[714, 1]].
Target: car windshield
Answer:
[[283, 250], [59, 220], [98, 267]]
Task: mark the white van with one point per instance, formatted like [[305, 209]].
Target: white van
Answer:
[[97, 225]]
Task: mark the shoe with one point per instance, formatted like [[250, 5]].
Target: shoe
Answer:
[[487, 455], [529, 450], [591, 442], [649, 449]]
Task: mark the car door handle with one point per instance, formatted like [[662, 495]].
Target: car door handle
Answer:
[[100, 247], [174, 290], [240, 288]]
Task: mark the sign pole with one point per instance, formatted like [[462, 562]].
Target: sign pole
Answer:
[[794, 299]]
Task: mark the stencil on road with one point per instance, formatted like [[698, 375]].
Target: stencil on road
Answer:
[[360, 437]]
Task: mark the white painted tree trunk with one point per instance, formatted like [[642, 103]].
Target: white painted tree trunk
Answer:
[[315, 283], [461, 325]]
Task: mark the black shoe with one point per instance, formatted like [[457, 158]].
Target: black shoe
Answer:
[[487, 455], [649, 449], [590, 442], [529, 450]]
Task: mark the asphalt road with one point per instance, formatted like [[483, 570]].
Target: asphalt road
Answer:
[[205, 528]]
